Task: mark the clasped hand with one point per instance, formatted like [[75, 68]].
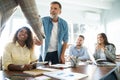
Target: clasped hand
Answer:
[[28, 66]]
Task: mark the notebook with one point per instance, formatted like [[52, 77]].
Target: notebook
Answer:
[[35, 72], [101, 62]]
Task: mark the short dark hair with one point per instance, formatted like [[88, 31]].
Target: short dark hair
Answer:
[[82, 36], [56, 2]]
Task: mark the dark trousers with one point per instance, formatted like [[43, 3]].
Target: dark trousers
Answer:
[[51, 56]]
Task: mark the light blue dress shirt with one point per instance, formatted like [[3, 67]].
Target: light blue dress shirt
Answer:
[[81, 53], [62, 33]]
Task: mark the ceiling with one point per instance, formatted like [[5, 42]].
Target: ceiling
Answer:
[[75, 10], [84, 5]]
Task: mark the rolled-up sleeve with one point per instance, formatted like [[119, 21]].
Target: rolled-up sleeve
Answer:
[[65, 39]]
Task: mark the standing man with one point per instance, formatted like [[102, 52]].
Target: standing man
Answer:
[[79, 50], [56, 31], [8, 7]]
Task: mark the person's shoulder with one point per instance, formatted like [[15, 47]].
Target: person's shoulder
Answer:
[[84, 47], [9, 44], [72, 46], [111, 44], [46, 17], [62, 20]]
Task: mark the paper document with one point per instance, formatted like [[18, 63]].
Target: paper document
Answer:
[[47, 69], [42, 78], [61, 65], [64, 75]]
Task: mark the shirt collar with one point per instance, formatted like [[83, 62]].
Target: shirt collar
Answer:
[[58, 19], [80, 47], [17, 44]]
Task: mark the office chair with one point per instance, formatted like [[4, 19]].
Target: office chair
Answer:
[[0, 62]]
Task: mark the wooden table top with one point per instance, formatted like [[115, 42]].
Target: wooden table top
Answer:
[[94, 72]]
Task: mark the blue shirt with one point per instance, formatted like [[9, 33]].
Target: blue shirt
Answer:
[[62, 33], [81, 53]]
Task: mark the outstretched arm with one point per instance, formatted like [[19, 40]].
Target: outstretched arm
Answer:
[[30, 11]]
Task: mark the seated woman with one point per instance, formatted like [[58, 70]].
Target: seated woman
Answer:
[[19, 53], [104, 50]]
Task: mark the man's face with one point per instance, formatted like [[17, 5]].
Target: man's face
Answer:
[[80, 41], [55, 10]]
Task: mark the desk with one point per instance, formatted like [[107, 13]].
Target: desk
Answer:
[[93, 72]]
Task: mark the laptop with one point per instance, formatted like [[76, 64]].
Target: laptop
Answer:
[[101, 62]]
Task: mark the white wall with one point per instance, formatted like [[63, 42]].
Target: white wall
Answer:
[[112, 22]]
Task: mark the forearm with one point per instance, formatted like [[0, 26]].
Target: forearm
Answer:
[[62, 59], [64, 48], [30, 11], [13, 67]]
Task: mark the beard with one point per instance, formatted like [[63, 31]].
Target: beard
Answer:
[[79, 44], [53, 16]]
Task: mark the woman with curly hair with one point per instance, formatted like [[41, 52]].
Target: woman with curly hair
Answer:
[[19, 53], [104, 49]]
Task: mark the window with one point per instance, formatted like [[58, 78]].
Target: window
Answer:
[[89, 31], [113, 32]]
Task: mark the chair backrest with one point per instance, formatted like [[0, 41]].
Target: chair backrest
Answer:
[[0, 62]]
